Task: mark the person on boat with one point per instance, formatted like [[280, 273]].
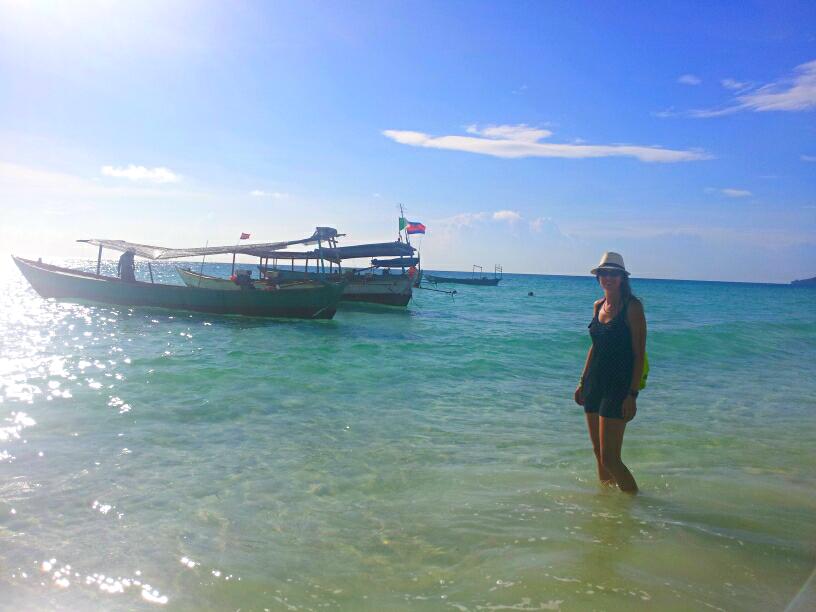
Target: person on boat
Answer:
[[243, 278], [609, 385], [126, 267]]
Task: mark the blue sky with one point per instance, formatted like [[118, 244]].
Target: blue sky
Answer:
[[531, 134]]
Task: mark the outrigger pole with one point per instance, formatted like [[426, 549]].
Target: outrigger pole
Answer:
[[201, 268]]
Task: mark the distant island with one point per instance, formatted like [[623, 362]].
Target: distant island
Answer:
[[809, 282]]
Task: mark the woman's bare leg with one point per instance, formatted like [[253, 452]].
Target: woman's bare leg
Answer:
[[594, 435], [611, 437]]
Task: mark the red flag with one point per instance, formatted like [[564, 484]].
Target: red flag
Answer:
[[414, 227], [244, 236]]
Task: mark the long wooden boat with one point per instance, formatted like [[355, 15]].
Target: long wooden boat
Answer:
[[361, 286], [482, 281], [64, 283], [384, 289], [192, 278]]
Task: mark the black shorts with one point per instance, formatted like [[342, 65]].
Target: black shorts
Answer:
[[609, 407]]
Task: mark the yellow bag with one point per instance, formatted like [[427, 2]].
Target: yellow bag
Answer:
[[645, 374]]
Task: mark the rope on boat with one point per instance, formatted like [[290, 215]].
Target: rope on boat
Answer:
[[437, 290]]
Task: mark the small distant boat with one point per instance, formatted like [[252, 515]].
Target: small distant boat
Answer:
[[315, 301], [481, 280]]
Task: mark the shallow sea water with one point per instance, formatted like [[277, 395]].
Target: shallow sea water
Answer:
[[426, 459]]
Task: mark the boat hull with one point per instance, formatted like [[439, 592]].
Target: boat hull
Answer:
[[205, 281], [483, 282], [385, 289], [63, 283]]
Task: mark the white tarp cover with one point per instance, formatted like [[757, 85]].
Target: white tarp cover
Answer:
[[149, 251]]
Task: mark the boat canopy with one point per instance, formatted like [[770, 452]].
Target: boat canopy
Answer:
[[397, 262], [380, 249], [357, 251], [156, 252]]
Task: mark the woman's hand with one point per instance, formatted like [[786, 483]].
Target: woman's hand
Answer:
[[629, 408], [579, 395]]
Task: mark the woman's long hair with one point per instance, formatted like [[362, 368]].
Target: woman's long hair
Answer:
[[625, 289]]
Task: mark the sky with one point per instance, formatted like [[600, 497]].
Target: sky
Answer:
[[535, 135]]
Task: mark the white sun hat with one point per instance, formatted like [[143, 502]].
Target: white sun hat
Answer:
[[611, 261]]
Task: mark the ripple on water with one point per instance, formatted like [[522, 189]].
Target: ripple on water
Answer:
[[425, 460]]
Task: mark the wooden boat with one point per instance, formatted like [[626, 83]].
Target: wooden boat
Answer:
[[361, 285], [192, 278], [385, 282], [483, 281], [384, 289], [64, 283]]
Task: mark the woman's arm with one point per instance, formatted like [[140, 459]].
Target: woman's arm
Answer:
[[586, 365], [637, 325], [579, 391]]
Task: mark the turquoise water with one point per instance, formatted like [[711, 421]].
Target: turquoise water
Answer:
[[425, 459]]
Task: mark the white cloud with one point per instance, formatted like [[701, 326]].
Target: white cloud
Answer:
[[734, 85], [518, 141], [689, 79], [511, 216], [141, 173], [521, 132], [731, 192], [260, 193], [548, 227], [538, 223], [793, 93], [736, 193], [808, 158], [461, 220]]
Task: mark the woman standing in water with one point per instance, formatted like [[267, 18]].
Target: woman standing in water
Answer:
[[609, 385]]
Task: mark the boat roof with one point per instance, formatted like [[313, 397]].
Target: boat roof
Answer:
[[149, 251], [357, 251]]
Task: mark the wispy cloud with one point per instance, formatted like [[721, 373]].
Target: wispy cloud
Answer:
[[511, 216], [731, 192], [142, 174], [735, 85], [521, 132], [689, 79], [518, 141], [260, 193], [736, 193], [808, 158], [462, 219], [793, 93]]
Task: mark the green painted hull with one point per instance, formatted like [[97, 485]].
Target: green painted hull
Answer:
[[64, 283]]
